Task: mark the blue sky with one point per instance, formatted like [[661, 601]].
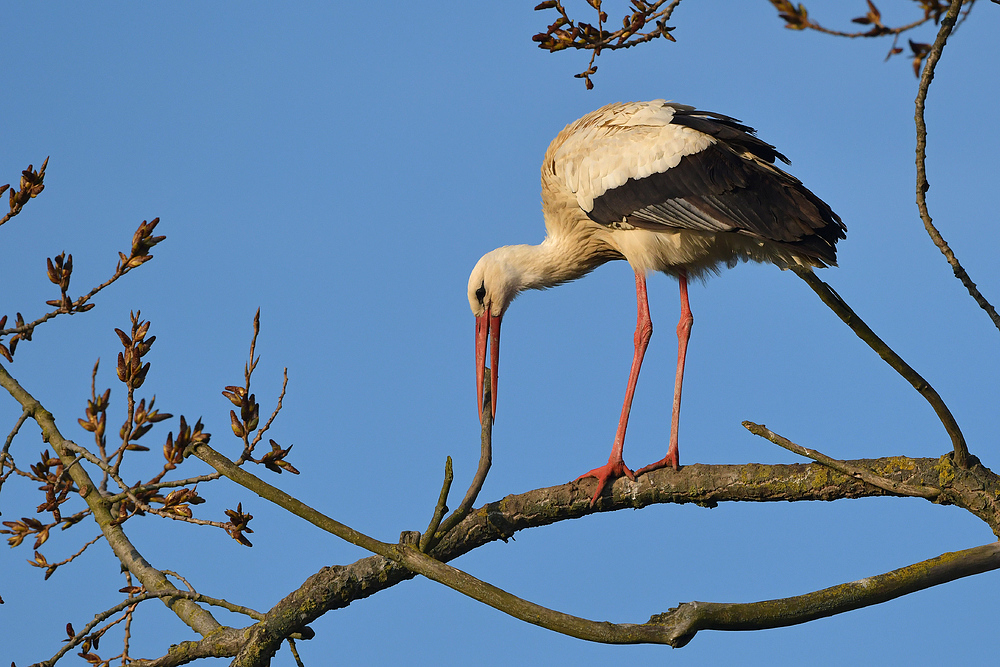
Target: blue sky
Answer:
[[343, 168]]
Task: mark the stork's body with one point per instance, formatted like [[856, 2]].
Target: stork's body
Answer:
[[668, 189]]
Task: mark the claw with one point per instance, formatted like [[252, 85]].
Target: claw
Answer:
[[607, 473], [671, 459]]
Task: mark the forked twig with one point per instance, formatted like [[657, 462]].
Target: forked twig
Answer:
[[485, 461]]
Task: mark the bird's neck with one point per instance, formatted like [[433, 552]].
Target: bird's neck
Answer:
[[553, 262]]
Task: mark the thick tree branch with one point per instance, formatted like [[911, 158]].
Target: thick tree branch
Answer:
[[843, 467], [707, 485], [834, 301], [947, 24], [689, 618]]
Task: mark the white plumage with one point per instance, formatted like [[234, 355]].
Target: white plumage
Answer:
[[626, 141], [667, 188]]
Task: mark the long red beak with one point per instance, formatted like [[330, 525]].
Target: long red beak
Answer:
[[487, 328]]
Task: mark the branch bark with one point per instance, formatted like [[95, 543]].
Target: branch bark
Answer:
[[928, 493], [689, 618], [947, 25], [707, 485]]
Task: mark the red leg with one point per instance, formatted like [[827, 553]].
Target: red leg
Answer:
[[683, 336], [615, 466]]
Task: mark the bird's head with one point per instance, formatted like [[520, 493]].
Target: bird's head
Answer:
[[494, 283]]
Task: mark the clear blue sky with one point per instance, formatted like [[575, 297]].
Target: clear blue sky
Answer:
[[343, 167]]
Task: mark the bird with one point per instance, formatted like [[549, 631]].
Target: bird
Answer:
[[669, 189]]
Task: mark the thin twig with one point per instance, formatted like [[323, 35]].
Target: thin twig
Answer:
[[126, 431], [429, 538], [485, 461], [174, 574], [99, 437], [5, 458], [857, 325], [76, 306], [164, 485], [129, 615], [277, 408], [77, 554], [843, 467], [103, 465], [295, 652], [178, 517], [133, 600], [947, 24], [13, 433]]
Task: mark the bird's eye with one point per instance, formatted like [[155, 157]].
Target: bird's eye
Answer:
[[481, 292]]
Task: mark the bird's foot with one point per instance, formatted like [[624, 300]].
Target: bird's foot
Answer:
[[607, 474], [671, 459]]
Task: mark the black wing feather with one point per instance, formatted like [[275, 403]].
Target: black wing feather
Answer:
[[731, 186]]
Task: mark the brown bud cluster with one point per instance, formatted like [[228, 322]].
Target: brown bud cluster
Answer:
[[31, 186], [187, 437], [97, 416], [56, 484], [23, 334], [144, 420], [91, 642], [176, 502], [237, 525], [566, 33], [142, 241], [274, 459], [249, 417], [131, 370], [26, 527]]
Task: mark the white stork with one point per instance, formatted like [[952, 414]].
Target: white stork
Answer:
[[667, 188]]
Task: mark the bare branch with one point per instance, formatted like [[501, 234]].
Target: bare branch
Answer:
[[896, 488], [689, 618], [485, 461], [6, 460], [427, 540], [295, 653], [498, 521], [834, 301], [947, 23]]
